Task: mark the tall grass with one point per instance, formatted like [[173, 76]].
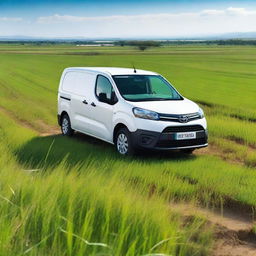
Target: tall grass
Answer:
[[60, 212], [71, 207], [242, 131], [76, 196]]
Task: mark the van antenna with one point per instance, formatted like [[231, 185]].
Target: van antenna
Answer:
[[134, 69]]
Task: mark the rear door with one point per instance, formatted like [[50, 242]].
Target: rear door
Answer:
[[80, 83]]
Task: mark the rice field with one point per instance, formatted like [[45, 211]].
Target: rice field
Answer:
[[76, 196]]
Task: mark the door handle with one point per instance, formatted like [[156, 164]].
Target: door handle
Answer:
[[85, 102], [93, 104]]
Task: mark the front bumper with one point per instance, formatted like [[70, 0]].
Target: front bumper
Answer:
[[166, 140]]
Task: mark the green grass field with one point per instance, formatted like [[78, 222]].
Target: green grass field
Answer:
[[76, 196]]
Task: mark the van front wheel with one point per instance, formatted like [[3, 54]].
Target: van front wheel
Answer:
[[123, 142], [66, 126]]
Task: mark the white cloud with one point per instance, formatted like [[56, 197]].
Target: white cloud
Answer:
[[212, 12], [7, 19], [56, 18], [204, 22], [240, 12]]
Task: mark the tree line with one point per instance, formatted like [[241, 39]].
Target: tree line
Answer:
[[139, 44]]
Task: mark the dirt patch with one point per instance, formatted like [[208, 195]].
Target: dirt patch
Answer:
[[214, 150], [233, 231], [47, 130], [230, 243], [242, 118], [44, 130], [233, 221], [228, 154], [21, 122], [241, 142]]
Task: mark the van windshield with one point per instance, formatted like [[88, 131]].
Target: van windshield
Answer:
[[145, 88]]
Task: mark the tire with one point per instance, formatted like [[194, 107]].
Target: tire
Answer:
[[188, 151], [66, 126], [123, 142]]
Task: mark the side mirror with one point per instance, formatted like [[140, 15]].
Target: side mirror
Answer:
[[103, 97], [114, 99]]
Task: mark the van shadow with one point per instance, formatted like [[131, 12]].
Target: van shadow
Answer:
[[52, 150]]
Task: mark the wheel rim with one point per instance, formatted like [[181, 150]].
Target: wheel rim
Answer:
[[65, 125], [122, 144]]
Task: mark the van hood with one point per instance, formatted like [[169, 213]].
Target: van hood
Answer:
[[169, 107]]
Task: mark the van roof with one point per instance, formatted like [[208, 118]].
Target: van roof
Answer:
[[113, 71]]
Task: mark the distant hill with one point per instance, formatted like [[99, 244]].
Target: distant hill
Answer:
[[238, 35], [233, 35]]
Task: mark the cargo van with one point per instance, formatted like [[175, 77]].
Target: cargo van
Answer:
[[132, 109]]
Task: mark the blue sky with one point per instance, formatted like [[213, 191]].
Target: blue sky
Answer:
[[95, 19]]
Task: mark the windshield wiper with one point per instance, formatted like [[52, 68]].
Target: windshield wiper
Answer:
[[160, 99], [148, 99], [152, 99]]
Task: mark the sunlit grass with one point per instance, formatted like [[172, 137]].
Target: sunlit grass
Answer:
[[86, 210], [243, 132], [76, 196]]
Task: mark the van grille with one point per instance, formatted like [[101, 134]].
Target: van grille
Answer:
[[185, 128], [182, 118]]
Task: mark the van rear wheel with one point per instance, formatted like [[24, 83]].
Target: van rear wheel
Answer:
[[66, 126], [123, 142]]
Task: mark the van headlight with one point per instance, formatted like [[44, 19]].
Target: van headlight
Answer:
[[201, 113], [145, 114]]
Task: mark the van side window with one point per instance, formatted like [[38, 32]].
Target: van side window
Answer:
[[103, 85]]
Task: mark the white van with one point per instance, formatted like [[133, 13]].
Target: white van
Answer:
[[132, 109]]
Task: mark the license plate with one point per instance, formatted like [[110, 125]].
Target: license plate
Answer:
[[185, 135]]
